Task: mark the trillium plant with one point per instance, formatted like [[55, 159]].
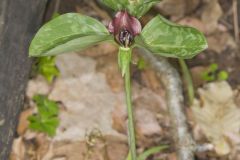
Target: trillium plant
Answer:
[[75, 32]]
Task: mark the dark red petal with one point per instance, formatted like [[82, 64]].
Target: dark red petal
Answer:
[[136, 26], [124, 27], [111, 27], [123, 20]]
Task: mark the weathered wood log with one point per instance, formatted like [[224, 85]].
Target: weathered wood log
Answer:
[[19, 21], [238, 8]]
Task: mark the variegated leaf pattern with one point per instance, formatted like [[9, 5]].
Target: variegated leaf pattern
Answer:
[[136, 8], [116, 5], [165, 38], [66, 33]]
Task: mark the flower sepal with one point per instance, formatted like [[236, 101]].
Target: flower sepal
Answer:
[[124, 59]]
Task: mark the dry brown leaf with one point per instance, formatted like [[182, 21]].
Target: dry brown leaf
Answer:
[[217, 114], [18, 150], [101, 50], [147, 99], [147, 107], [23, 121], [73, 65], [111, 70], [196, 73], [150, 80], [105, 148], [37, 85], [218, 42], [146, 123], [193, 22], [119, 117], [211, 14], [87, 98], [166, 156], [43, 144], [177, 8]]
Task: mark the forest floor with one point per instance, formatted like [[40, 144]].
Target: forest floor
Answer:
[[90, 93]]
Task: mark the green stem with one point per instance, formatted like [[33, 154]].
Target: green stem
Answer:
[[131, 130], [188, 78], [152, 151], [124, 61]]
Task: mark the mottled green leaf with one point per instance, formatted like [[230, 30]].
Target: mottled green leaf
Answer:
[[66, 33], [136, 8], [115, 4], [49, 126], [46, 120], [165, 38], [46, 107]]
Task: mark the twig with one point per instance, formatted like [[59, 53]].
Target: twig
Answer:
[[235, 20], [204, 147], [56, 6], [184, 142]]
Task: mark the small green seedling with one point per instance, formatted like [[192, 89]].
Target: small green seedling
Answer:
[[214, 74], [47, 68], [46, 65], [46, 120], [222, 75], [74, 32]]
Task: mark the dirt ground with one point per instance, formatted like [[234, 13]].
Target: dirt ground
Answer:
[[90, 93]]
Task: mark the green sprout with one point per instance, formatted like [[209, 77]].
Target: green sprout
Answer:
[[75, 32], [214, 74], [222, 75], [46, 120], [47, 68]]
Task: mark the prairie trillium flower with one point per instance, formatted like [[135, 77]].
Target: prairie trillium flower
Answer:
[[124, 27], [159, 36]]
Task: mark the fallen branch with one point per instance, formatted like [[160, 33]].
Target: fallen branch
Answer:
[[18, 22], [204, 147], [235, 20], [184, 143]]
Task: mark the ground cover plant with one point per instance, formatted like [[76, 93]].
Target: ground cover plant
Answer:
[[75, 32]]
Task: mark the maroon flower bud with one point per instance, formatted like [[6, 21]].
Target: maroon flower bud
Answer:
[[124, 27]]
